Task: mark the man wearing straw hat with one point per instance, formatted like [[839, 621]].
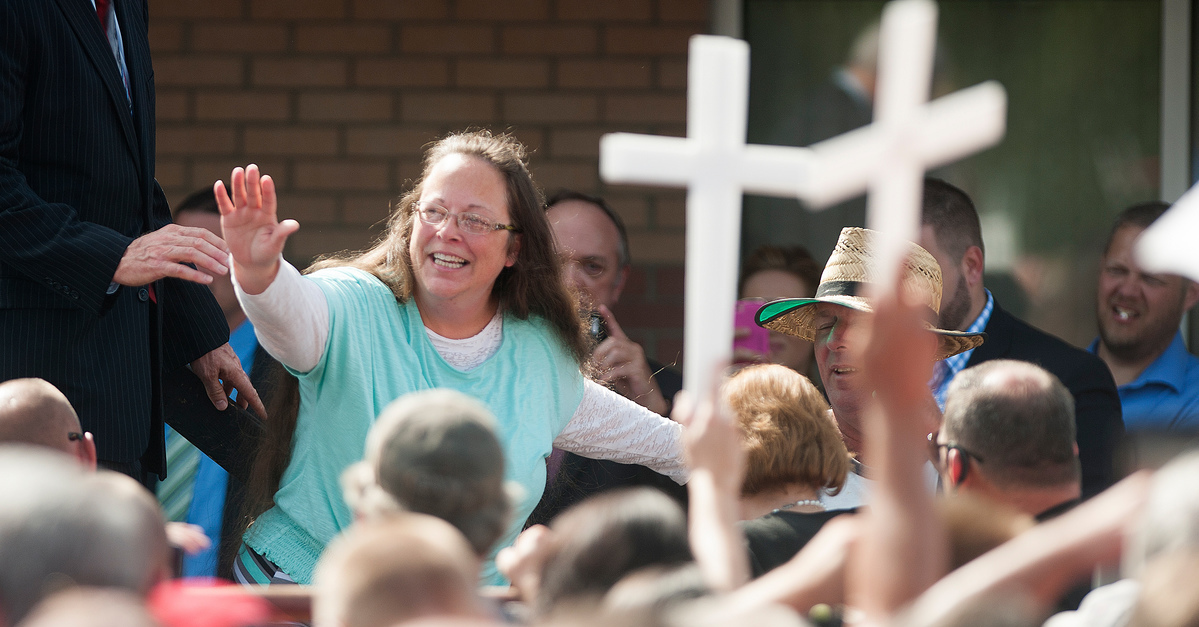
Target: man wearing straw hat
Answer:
[[837, 321], [951, 232]]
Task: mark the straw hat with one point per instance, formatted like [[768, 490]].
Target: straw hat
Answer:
[[847, 274]]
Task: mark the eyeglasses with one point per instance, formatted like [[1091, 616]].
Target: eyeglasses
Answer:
[[471, 223], [934, 449], [74, 436]]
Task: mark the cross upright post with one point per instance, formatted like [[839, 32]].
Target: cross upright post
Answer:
[[716, 166]]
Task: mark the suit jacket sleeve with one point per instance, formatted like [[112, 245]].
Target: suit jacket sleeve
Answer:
[[44, 242]]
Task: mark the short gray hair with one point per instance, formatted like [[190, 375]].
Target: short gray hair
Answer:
[[1021, 424]]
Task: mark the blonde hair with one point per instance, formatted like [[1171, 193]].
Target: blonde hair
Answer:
[[788, 433]]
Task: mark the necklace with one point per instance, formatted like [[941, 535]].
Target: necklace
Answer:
[[801, 503]]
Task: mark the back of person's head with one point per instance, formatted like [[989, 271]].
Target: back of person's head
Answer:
[[1138, 216], [388, 571], [61, 527], [201, 201], [93, 607], [953, 217], [1170, 522], [788, 432], [795, 260], [1017, 420], [607, 537], [657, 588], [434, 452], [34, 412]]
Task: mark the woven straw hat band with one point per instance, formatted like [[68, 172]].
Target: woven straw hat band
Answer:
[[848, 270]]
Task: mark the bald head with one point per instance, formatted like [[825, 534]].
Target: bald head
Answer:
[[399, 568], [1017, 417], [34, 412]]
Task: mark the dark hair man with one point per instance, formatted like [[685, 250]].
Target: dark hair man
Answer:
[[595, 246], [952, 234], [1008, 436], [1139, 314]]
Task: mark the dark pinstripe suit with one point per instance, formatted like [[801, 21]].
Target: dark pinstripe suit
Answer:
[[76, 187]]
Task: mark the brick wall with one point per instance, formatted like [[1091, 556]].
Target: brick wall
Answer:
[[335, 99]]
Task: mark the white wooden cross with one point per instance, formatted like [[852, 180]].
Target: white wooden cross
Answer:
[[1168, 245], [716, 165]]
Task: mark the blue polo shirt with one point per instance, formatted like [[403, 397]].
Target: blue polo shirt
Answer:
[[1166, 395]]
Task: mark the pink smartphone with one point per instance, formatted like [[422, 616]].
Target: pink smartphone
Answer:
[[749, 335]]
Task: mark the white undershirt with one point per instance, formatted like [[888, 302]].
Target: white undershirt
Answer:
[[291, 319]]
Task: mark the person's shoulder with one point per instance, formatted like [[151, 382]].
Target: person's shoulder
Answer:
[[352, 284], [1056, 355]]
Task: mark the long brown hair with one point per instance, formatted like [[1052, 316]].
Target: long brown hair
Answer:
[[533, 286]]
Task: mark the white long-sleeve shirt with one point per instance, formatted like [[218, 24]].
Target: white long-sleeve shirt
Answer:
[[291, 319]]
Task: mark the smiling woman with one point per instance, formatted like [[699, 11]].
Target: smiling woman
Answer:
[[464, 291]]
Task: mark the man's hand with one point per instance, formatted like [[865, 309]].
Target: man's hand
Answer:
[[162, 253], [621, 363], [524, 562], [221, 373]]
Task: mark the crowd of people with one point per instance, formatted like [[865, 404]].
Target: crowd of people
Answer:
[[446, 438], [452, 427]]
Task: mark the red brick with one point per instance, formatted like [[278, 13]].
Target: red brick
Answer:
[[635, 287], [242, 105], [390, 72], [307, 244], [208, 9], [648, 39], [549, 108], [309, 210], [343, 38], [605, 10], [507, 10], [554, 176], [603, 73], [166, 36], [508, 73], [453, 107], [209, 170], [672, 73], [553, 40], [341, 175], [645, 108], [668, 281], [400, 9], [575, 142], [657, 246], [683, 10], [670, 211], [298, 9], [633, 209], [290, 140], [198, 71], [366, 209], [447, 39], [533, 140], [387, 141], [346, 107], [239, 37], [170, 105], [170, 173], [407, 171], [195, 140], [299, 72]]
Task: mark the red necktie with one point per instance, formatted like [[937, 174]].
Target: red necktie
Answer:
[[102, 13]]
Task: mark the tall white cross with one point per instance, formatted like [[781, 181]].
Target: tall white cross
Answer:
[[887, 158], [716, 166]]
